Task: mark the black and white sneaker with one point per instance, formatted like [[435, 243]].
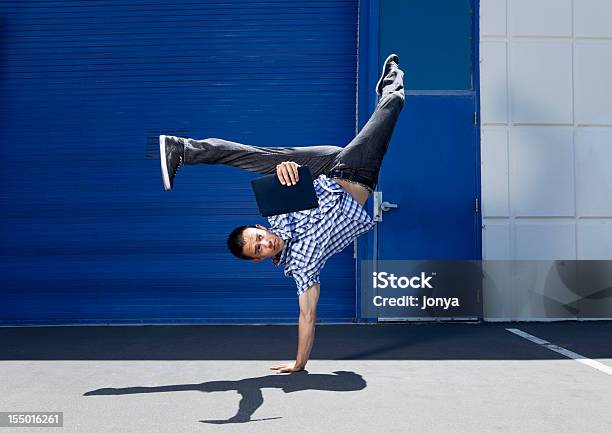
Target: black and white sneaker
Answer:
[[393, 58], [171, 152]]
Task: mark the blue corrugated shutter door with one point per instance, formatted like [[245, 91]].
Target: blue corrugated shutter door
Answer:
[[88, 234]]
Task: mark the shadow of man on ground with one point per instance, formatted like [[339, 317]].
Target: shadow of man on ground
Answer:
[[251, 389]]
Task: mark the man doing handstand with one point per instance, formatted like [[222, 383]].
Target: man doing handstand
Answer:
[[344, 178]]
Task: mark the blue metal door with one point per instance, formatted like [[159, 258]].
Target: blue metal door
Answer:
[[431, 174], [87, 233], [431, 170]]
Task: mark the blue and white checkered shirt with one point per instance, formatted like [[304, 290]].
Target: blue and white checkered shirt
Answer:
[[313, 236]]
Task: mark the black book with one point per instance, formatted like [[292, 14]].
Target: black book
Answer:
[[273, 198]]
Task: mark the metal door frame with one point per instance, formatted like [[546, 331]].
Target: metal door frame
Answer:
[[367, 75]]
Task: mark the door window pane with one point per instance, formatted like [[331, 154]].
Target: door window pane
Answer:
[[433, 39]]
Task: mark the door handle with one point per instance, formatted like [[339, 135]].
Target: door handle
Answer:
[[381, 206], [386, 206]]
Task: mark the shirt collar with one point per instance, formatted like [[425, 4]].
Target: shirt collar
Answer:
[[281, 257]]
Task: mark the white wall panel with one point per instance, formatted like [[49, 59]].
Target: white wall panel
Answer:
[[594, 171], [493, 17], [546, 81], [594, 239], [541, 171], [545, 240], [540, 17], [540, 81], [493, 89], [496, 240], [593, 82], [592, 18], [541, 292], [494, 158], [499, 290]]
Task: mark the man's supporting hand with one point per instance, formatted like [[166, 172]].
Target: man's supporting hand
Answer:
[[287, 173], [306, 330], [286, 368]]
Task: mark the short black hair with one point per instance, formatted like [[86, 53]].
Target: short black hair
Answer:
[[235, 242]]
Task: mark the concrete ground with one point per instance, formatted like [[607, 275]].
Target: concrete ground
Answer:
[[361, 378]]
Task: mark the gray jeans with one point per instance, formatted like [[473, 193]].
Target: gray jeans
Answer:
[[359, 161]]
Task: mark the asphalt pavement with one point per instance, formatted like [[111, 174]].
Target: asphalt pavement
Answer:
[[427, 377]]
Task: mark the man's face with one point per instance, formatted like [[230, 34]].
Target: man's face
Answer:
[[260, 243]]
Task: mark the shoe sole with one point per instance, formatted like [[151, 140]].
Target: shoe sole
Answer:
[[382, 73], [164, 163]]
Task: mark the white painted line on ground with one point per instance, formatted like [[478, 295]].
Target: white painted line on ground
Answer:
[[573, 355]]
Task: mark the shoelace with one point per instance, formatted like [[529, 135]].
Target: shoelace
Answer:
[[178, 166]]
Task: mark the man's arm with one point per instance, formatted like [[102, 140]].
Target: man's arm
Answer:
[[306, 326], [359, 193], [306, 329]]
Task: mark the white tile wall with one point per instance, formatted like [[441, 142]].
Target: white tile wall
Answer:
[[496, 240], [546, 88], [545, 240], [493, 13], [540, 17], [540, 81], [593, 82], [493, 88], [541, 171], [594, 171], [594, 238], [498, 285], [494, 160], [541, 293], [592, 18]]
